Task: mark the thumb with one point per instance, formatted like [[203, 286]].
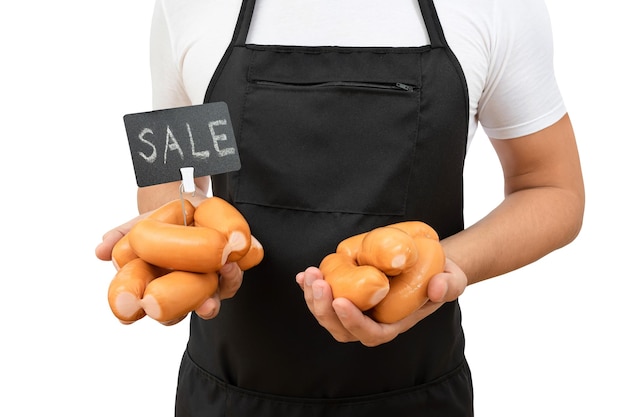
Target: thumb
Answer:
[[447, 285]]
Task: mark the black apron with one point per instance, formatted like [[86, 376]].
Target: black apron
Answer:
[[333, 141]]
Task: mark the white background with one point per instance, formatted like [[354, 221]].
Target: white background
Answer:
[[546, 340]]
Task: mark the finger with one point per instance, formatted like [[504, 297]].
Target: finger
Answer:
[[448, 285], [319, 298], [231, 278], [324, 312], [300, 280], [210, 308], [104, 249], [307, 278], [109, 239], [438, 288], [362, 327]]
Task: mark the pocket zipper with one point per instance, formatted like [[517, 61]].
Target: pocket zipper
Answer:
[[382, 86]]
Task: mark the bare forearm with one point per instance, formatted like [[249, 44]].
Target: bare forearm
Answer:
[[526, 226]]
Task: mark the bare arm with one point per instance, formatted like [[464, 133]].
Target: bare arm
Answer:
[[541, 212]]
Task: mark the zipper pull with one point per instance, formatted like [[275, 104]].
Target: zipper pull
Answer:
[[405, 87]]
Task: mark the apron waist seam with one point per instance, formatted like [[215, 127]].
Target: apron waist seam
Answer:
[[230, 389]]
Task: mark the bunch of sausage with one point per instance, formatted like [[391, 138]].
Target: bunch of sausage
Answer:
[[168, 263], [385, 272]]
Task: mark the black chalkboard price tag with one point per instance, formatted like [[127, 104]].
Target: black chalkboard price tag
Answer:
[[164, 141]]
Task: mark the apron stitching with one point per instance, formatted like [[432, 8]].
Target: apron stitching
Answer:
[[317, 50], [241, 120]]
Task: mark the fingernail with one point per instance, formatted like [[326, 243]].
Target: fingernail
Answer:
[[308, 279]]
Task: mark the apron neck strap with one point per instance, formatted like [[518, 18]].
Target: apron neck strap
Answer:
[[433, 25], [243, 22]]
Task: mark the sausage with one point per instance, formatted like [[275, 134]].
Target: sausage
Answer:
[[184, 258], [122, 253], [351, 245], [364, 285], [253, 257], [407, 254], [415, 228], [220, 215], [127, 288], [171, 297], [171, 212], [173, 246], [409, 290], [389, 249]]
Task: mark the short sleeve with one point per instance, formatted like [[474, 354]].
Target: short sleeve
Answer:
[[167, 87], [521, 94]]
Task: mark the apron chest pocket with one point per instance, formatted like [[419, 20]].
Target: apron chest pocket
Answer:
[[328, 145]]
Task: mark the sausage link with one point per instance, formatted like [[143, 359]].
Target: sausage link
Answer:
[[171, 212], [409, 290], [253, 257], [389, 249], [415, 228], [122, 253], [173, 296], [220, 215], [351, 245], [185, 248], [127, 288], [364, 285]]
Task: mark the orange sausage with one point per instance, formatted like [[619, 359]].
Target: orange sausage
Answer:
[[253, 257], [127, 288], [185, 248], [171, 212], [218, 214], [409, 290], [351, 245], [389, 249], [364, 285], [417, 229], [172, 296], [122, 253]]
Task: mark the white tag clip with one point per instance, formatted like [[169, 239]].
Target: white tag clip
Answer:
[[188, 185]]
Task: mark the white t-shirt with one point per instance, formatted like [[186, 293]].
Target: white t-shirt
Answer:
[[503, 46]]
